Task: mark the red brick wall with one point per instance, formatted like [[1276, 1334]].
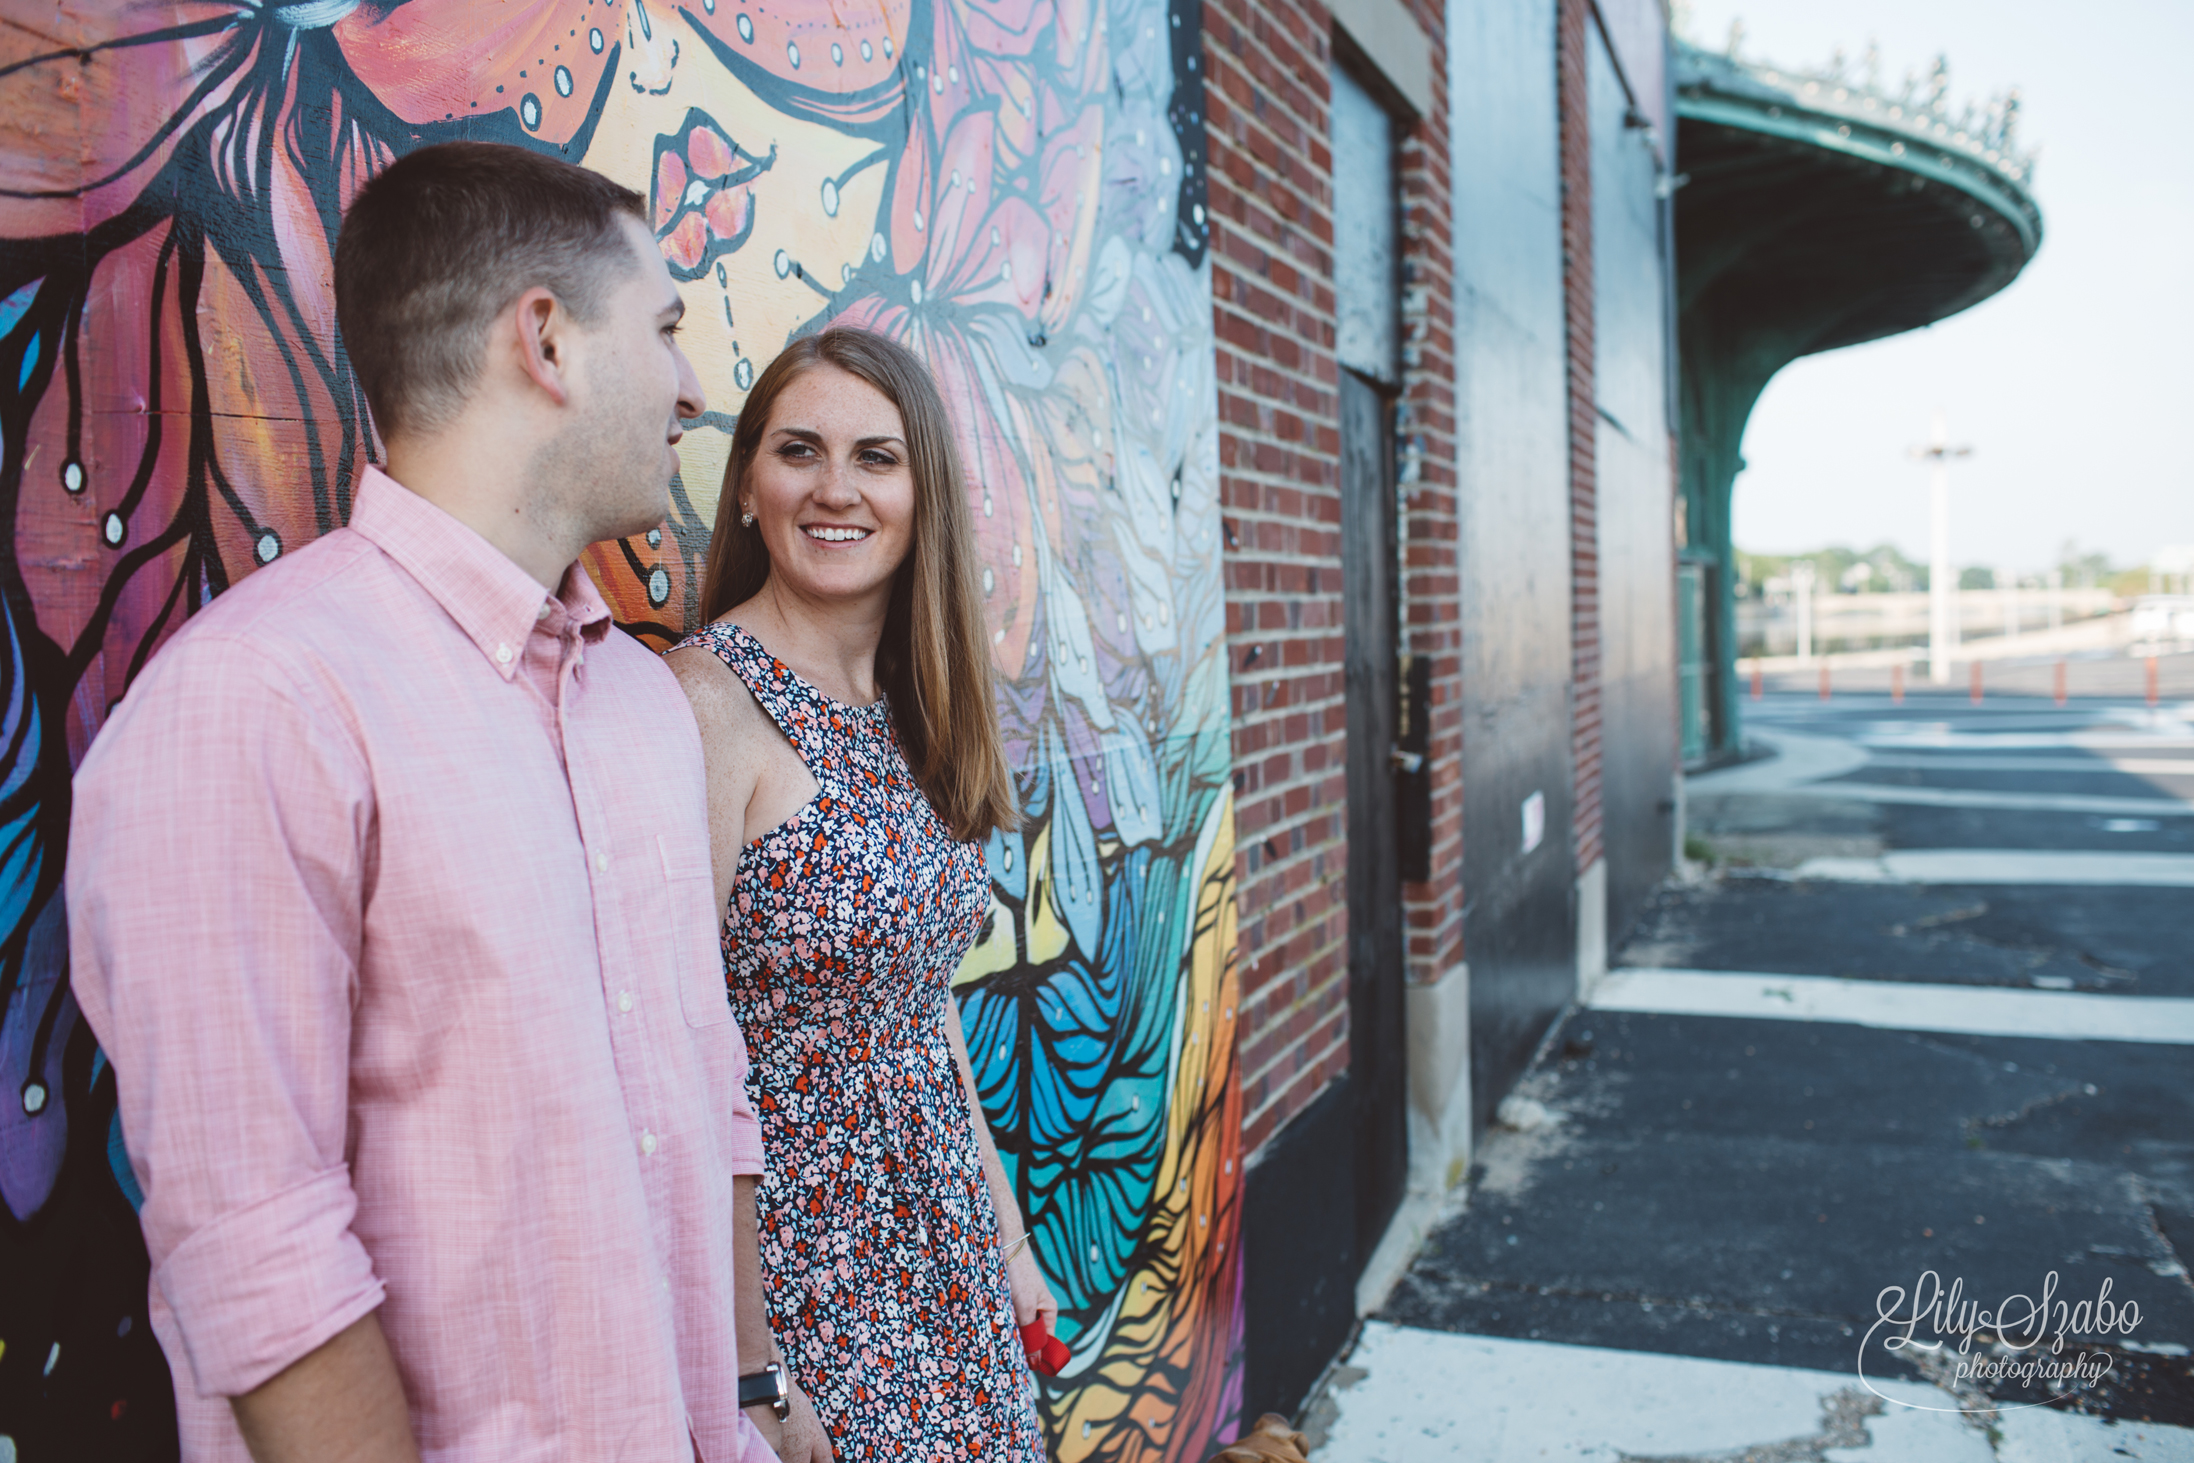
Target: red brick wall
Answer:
[[1431, 584], [1573, 16], [1270, 205]]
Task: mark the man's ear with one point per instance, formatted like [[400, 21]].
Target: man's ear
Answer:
[[539, 328]]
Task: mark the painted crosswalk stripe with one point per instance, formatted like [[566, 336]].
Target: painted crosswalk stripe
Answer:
[[2007, 866], [2017, 802], [1898, 1005], [1408, 1395], [2070, 766]]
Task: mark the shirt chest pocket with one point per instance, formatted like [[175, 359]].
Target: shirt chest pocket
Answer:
[[691, 887]]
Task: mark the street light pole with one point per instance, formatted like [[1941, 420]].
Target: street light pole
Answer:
[[1942, 586]]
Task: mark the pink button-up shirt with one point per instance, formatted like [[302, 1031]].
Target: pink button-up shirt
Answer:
[[390, 902]]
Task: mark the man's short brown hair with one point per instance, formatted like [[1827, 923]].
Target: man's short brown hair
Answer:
[[443, 239]]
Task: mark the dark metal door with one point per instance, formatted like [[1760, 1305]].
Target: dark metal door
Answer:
[[1375, 951]]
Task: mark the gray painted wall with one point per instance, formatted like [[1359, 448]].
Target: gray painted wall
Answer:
[[1636, 486], [1510, 367]]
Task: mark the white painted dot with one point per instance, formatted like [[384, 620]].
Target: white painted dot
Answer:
[[830, 197], [563, 81], [72, 477], [782, 263], [269, 547], [34, 1098], [113, 529], [658, 586], [915, 288], [837, 54], [53, 1358], [746, 30], [918, 220], [594, 39], [792, 54], [866, 53], [876, 247]]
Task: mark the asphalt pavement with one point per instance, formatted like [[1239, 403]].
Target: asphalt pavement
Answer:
[[1877, 1142]]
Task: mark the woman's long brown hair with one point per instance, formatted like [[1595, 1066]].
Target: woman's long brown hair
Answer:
[[934, 660]]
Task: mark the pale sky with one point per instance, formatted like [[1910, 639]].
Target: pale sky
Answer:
[[2065, 383]]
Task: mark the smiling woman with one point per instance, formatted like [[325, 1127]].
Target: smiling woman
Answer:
[[846, 710]]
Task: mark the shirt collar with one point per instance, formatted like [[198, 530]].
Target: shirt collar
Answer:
[[496, 603]]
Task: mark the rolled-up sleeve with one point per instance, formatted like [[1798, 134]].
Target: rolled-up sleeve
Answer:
[[219, 848]]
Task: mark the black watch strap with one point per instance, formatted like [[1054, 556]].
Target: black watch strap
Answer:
[[767, 1388]]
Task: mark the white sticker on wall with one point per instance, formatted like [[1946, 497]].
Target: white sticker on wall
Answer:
[[1534, 821]]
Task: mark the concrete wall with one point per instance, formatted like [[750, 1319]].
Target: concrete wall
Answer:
[[1514, 530], [1635, 470]]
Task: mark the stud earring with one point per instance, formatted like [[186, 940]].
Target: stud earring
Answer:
[[746, 519]]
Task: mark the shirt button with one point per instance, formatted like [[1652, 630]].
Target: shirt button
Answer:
[[601, 863], [543, 612], [647, 1142], [502, 654], [624, 1000]]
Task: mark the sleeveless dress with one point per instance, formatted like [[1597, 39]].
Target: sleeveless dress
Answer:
[[879, 1244]]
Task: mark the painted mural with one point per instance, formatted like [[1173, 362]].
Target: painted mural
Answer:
[[1014, 187]]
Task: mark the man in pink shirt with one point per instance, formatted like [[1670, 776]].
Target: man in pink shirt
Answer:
[[390, 899]]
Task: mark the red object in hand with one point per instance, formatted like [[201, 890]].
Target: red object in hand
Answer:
[[1046, 1352]]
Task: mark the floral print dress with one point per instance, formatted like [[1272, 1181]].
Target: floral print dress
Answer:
[[879, 1244]]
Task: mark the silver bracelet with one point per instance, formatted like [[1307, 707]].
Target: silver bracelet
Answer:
[[1017, 1244]]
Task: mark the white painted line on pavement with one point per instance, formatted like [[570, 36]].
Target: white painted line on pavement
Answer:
[[2090, 766], [1435, 1397], [1964, 797], [1899, 1005], [2156, 741], [2007, 866]]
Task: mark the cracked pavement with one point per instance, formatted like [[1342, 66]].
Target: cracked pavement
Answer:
[[1732, 1195]]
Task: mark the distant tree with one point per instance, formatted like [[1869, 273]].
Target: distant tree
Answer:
[[2084, 571], [1975, 576]]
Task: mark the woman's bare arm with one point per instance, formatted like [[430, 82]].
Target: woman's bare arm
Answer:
[[730, 724]]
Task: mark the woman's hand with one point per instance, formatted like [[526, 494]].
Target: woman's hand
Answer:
[[1031, 1297], [800, 1437], [805, 1441]]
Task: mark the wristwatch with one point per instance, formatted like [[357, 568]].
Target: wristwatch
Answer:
[[767, 1388]]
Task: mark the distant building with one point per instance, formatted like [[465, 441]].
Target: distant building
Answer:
[[1819, 211]]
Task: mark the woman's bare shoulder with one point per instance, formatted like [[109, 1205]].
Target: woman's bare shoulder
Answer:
[[723, 706]]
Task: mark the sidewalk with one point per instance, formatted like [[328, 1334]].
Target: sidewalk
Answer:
[[1938, 1021]]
